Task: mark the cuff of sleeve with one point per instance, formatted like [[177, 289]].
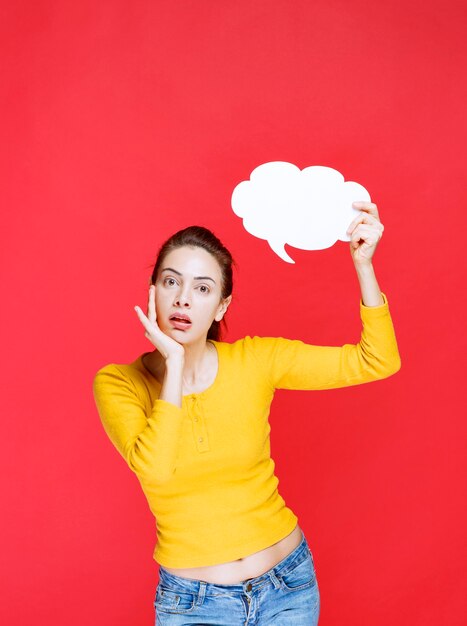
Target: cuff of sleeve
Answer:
[[380, 308]]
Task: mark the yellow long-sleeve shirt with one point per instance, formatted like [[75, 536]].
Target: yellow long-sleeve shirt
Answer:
[[205, 467]]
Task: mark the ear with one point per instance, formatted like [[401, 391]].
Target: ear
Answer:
[[223, 308]]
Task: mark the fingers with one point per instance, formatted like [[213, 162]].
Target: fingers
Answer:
[[369, 234], [366, 206], [151, 330], [143, 319], [149, 321], [369, 215], [152, 304], [364, 219]]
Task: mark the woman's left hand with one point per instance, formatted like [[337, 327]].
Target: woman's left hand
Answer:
[[365, 232]]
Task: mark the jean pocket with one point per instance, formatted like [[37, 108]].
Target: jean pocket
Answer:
[[169, 600], [301, 576]]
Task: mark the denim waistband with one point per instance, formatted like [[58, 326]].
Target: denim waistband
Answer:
[[301, 552]]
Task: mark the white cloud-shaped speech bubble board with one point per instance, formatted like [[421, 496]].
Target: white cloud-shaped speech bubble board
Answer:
[[308, 209]]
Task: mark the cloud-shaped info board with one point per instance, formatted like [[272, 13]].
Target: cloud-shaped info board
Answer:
[[308, 209]]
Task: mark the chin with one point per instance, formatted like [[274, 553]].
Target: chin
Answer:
[[185, 337], [176, 333]]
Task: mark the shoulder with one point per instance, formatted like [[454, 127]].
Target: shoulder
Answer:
[[258, 343], [248, 341], [118, 374], [251, 346]]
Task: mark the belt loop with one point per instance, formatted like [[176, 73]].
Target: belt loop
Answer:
[[201, 591], [275, 581]]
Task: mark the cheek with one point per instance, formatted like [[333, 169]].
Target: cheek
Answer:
[[159, 305]]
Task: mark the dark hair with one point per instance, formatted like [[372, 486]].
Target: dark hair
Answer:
[[201, 237]]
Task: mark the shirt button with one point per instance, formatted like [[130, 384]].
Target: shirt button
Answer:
[[196, 419], [200, 439]]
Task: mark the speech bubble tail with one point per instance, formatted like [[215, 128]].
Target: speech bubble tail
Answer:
[[279, 249]]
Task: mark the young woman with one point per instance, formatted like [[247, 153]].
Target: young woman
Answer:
[[191, 420]]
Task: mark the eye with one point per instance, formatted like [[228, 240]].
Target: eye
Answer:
[[205, 287], [166, 279]]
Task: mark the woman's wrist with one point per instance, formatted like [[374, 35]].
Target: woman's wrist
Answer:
[[172, 385], [371, 293], [365, 268]]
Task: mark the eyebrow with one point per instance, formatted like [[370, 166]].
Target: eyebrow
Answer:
[[171, 269]]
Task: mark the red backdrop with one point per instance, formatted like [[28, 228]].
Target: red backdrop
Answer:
[[126, 121]]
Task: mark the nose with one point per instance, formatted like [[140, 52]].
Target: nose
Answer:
[[183, 298]]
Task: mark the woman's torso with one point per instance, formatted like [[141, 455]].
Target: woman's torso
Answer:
[[252, 565], [234, 572]]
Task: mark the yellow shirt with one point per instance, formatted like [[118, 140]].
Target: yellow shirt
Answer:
[[205, 467]]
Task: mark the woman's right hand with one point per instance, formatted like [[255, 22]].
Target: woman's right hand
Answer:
[[168, 347]]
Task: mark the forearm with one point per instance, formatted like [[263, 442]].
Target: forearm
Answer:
[[172, 385], [148, 441], [371, 293], [154, 454]]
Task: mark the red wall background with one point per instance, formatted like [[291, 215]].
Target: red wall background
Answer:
[[126, 121]]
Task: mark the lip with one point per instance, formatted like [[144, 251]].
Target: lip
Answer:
[[178, 324], [183, 316]]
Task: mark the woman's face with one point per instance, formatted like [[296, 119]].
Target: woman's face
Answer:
[[189, 282]]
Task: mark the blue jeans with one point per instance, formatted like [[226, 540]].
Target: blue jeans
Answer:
[[286, 595]]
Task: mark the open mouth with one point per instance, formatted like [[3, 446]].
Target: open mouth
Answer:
[[179, 322]]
